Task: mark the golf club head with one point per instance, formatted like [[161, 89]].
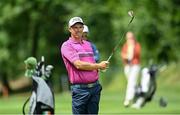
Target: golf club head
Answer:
[[48, 70], [131, 13], [49, 67]]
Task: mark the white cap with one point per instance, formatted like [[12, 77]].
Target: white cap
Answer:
[[86, 29], [75, 20]]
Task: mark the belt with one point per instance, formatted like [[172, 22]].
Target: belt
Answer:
[[89, 85]]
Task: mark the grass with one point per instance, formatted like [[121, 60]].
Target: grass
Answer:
[[112, 98], [111, 103]]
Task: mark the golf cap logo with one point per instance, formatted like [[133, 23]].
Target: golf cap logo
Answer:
[[75, 20]]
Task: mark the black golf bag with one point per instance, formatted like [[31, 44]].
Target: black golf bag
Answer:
[[147, 87], [42, 98]]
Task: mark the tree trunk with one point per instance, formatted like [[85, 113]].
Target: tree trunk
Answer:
[[5, 85], [34, 36]]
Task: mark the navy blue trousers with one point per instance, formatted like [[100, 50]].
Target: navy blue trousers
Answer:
[[86, 100]]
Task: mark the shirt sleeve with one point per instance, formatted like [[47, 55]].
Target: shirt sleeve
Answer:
[[69, 52], [96, 52]]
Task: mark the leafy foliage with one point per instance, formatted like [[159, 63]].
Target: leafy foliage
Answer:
[[38, 27]]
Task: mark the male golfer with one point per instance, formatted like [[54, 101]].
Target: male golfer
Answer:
[[95, 50], [131, 57], [82, 70]]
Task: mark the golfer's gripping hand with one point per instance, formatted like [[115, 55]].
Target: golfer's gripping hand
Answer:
[[103, 65]]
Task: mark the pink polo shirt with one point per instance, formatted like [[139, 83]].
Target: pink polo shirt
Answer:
[[71, 51]]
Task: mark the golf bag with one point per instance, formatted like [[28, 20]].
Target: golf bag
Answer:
[[147, 87], [42, 98]]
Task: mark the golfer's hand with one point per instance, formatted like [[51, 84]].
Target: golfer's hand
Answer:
[[103, 65]]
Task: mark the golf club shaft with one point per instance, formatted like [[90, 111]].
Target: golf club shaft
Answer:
[[115, 48]]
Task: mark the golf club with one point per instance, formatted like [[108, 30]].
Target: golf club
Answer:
[[131, 14]]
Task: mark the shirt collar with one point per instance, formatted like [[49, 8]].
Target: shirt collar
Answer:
[[75, 41]]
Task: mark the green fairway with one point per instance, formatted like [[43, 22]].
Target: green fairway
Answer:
[[112, 98], [111, 102]]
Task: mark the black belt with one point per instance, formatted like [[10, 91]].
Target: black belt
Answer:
[[89, 85]]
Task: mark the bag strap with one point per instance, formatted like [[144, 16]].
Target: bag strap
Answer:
[[24, 105]]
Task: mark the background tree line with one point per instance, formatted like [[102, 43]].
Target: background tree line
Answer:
[[38, 27]]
